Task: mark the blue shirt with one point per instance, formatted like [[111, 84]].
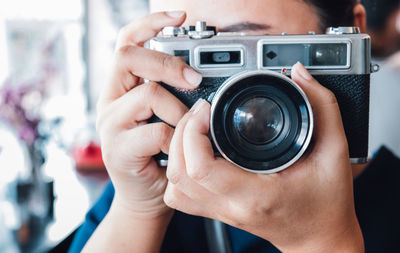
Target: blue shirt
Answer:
[[377, 202]]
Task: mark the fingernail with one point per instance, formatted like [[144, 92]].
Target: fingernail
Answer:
[[197, 106], [192, 77], [175, 14], [303, 71]]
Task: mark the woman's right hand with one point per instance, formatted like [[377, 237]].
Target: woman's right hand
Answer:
[[128, 142]]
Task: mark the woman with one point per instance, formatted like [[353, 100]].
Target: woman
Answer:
[[307, 208]]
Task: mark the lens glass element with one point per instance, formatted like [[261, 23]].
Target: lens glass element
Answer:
[[259, 120]]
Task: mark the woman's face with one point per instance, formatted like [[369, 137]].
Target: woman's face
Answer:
[[250, 16]]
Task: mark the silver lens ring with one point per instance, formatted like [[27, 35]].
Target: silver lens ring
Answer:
[[306, 127]]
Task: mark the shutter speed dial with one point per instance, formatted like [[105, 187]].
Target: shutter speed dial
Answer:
[[199, 31]]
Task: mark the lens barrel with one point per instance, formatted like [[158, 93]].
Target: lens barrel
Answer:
[[261, 121]]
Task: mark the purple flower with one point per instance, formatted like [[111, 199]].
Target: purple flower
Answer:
[[21, 117]]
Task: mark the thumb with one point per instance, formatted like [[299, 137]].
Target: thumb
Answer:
[[316, 93], [327, 118]]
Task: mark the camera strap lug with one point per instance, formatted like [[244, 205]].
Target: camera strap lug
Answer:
[[375, 67]]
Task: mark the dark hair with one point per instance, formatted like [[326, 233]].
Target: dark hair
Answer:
[[378, 12], [334, 13]]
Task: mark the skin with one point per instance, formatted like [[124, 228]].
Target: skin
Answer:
[[309, 207], [259, 12]]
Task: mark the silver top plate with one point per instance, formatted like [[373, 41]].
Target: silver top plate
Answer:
[[358, 52]]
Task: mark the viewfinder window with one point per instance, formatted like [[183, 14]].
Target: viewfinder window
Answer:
[[220, 57]]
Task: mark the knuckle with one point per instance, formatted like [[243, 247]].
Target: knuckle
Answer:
[[173, 175], [108, 154], [128, 81], [249, 212], [166, 61], [198, 173], [151, 90], [162, 133], [128, 31], [126, 50], [169, 62], [170, 199], [329, 96], [237, 216], [103, 122], [164, 130], [260, 208], [182, 121], [191, 126], [237, 222], [122, 33]]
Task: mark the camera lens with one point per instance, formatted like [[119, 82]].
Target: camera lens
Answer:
[[258, 120], [261, 121]]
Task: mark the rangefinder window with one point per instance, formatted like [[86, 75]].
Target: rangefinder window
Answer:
[[220, 58], [311, 55]]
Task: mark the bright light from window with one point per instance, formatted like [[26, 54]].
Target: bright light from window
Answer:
[[42, 9], [4, 56], [13, 154]]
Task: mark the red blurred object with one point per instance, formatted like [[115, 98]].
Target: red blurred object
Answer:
[[88, 158]]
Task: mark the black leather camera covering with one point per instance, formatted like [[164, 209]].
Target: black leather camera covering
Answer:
[[351, 91]]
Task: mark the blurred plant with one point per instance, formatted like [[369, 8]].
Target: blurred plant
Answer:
[[19, 107], [21, 101], [38, 82]]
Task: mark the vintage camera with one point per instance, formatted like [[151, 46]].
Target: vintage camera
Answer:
[[261, 120]]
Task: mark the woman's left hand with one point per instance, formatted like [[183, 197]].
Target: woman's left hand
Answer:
[[308, 207]]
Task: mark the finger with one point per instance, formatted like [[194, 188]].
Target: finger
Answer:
[[157, 66], [216, 175], [139, 31], [140, 104], [235, 214], [135, 34], [146, 140], [316, 93], [176, 199], [327, 117], [176, 160], [176, 171], [133, 61]]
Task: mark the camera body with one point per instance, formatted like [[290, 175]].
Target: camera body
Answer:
[[261, 120]]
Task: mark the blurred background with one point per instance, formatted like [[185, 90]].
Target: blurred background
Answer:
[[54, 58]]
